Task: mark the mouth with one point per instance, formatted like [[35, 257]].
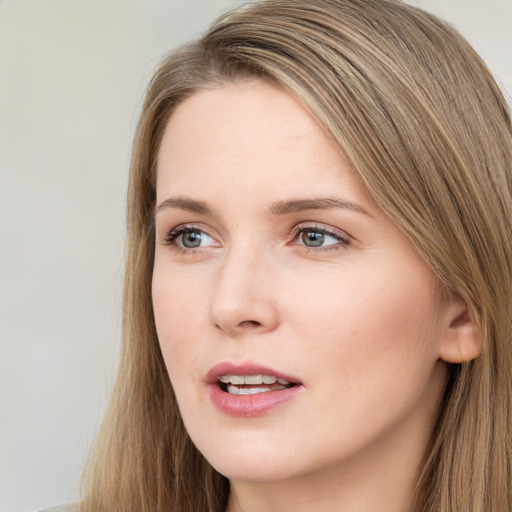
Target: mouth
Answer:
[[252, 384], [249, 389]]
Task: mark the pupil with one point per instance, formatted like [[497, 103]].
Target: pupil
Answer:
[[313, 238], [192, 239]]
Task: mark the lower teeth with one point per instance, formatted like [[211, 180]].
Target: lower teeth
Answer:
[[252, 390]]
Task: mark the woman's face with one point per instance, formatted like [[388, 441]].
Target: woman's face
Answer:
[[272, 262]]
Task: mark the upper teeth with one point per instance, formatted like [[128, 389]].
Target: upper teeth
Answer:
[[252, 379]]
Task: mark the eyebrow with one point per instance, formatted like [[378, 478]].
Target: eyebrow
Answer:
[[321, 203], [184, 203], [277, 208]]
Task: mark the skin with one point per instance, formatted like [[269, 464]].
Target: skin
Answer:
[[356, 320]]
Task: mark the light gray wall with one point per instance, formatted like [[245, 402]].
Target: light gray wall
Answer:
[[72, 74]]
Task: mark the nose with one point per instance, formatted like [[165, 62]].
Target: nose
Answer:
[[243, 300]]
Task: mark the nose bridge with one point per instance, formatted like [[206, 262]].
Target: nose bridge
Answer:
[[242, 298]]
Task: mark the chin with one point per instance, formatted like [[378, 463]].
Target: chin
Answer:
[[257, 471], [241, 458], [256, 459]]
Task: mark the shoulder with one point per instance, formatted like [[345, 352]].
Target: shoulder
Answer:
[[69, 507]]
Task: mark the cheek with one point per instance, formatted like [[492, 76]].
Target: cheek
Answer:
[[177, 329], [177, 320], [377, 326], [371, 352]]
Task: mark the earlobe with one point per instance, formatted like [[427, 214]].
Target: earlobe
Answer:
[[462, 340]]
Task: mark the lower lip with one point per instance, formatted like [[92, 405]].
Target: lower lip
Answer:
[[251, 405]]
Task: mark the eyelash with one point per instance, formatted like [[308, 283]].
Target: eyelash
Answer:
[[174, 234], [343, 239]]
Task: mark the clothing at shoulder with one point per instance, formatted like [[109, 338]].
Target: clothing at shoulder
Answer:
[[69, 507]]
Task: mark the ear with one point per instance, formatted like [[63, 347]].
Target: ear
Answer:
[[462, 340]]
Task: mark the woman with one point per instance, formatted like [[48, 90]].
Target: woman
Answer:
[[318, 291]]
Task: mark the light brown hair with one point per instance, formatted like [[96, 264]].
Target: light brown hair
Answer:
[[428, 131]]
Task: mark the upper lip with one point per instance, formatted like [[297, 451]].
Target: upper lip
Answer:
[[247, 368]]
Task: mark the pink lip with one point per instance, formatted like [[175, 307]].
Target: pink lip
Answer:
[[248, 405]]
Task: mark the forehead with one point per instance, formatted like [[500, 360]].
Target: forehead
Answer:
[[239, 117], [250, 132]]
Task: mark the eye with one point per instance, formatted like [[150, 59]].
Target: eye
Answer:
[[319, 238], [189, 238]]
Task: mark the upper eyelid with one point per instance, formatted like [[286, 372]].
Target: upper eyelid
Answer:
[[320, 227], [192, 226], [186, 227], [297, 228], [169, 236]]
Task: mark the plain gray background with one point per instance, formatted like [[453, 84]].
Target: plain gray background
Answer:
[[72, 75]]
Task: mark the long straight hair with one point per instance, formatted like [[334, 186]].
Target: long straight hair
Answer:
[[428, 132]]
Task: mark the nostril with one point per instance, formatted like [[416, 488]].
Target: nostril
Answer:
[[249, 323], [246, 323]]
